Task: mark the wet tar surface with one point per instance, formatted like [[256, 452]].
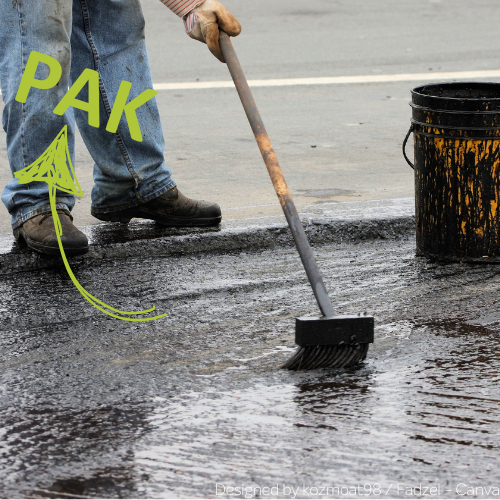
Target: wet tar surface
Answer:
[[194, 404]]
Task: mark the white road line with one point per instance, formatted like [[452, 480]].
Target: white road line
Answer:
[[334, 80]]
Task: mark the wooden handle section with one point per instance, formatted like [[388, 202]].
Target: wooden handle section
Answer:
[[277, 177]]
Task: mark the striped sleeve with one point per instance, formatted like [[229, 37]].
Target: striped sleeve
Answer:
[[189, 21], [181, 7]]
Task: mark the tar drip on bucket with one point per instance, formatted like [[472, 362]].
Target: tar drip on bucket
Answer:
[[456, 129]]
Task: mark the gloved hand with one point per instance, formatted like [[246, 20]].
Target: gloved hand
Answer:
[[204, 21]]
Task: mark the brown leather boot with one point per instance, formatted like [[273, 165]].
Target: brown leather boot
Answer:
[[171, 209], [39, 234]]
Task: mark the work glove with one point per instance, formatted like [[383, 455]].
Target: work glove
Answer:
[[204, 21]]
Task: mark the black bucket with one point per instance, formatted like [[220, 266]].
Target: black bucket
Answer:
[[456, 129]]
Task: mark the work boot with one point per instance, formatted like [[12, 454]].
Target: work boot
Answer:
[[39, 234], [171, 209]]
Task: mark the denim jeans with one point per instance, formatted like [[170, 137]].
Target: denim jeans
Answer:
[[103, 35]]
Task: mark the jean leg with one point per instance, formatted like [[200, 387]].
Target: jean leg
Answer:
[[126, 172], [44, 26]]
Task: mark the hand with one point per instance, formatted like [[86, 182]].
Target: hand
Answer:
[[207, 18]]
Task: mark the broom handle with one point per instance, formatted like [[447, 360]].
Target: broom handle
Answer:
[[271, 161]]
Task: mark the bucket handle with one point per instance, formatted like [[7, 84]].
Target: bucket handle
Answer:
[[404, 147]]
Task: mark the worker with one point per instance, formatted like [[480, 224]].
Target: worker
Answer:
[[131, 178]]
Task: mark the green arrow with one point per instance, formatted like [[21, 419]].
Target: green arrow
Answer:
[[52, 167]]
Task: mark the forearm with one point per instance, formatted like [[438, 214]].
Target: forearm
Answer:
[[181, 7]]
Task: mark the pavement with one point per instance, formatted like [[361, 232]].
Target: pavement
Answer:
[[195, 404], [335, 142]]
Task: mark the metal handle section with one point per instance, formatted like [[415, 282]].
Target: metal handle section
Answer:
[[404, 147], [277, 177]]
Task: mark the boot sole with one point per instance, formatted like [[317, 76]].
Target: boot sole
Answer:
[[164, 220], [24, 240]]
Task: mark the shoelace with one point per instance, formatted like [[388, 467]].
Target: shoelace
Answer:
[[49, 214]]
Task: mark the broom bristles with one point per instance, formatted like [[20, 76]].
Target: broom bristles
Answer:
[[329, 356]]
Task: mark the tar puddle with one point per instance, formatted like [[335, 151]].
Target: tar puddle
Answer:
[[200, 408], [426, 416]]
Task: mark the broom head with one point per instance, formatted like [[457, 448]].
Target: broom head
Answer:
[[336, 342]]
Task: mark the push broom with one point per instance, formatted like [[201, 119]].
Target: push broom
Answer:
[[328, 341]]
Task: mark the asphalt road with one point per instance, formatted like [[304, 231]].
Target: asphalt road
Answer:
[[190, 405], [193, 404], [356, 129]]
